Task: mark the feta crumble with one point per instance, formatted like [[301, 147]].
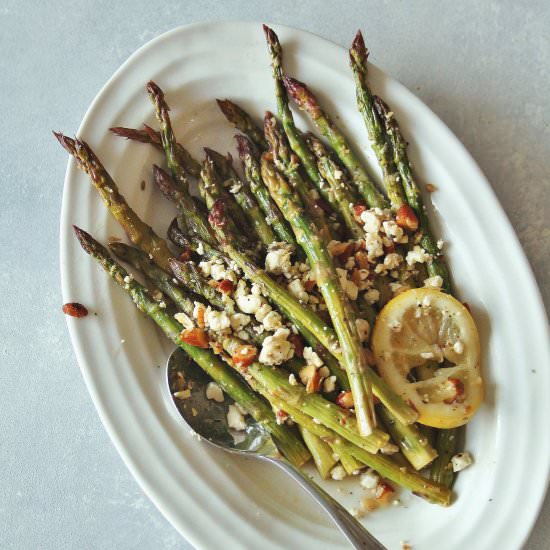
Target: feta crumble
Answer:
[[235, 418], [214, 392], [460, 461]]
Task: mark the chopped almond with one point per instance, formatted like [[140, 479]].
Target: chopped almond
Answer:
[[244, 355], [311, 378], [362, 259], [185, 255], [281, 417], [195, 337], [384, 491], [309, 285], [356, 277], [406, 218], [74, 309], [298, 343], [226, 286], [345, 400]]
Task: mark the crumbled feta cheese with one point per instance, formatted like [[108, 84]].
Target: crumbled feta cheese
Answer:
[[338, 174], [184, 320], [235, 419], [312, 358], [434, 282], [217, 272], [349, 287], [371, 222], [277, 260], [239, 321], [373, 245], [216, 320], [392, 260], [338, 473], [427, 355], [214, 392], [458, 347], [272, 321], [262, 312], [183, 394], [460, 461], [369, 480], [236, 187], [417, 255], [296, 288], [372, 296], [206, 267], [329, 384], [256, 289], [128, 279], [394, 232], [162, 304], [249, 303], [440, 244], [363, 329], [292, 380], [200, 248], [276, 348]]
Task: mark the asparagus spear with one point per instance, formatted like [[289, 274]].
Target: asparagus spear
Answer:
[[138, 231], [243, 122], [148, 135], [288, 163], [306, 101], [412, 191], [254, 179], [244, 198], [228, 380], [342, 192], [446, 442], [295, 138], [358, 55], [342, 315]]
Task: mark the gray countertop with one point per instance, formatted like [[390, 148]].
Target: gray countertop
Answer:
[[483, 67]]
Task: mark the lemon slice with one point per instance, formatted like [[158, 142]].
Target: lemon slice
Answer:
[[427, 349]]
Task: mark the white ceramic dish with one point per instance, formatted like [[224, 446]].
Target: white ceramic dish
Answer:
[[210, 497]]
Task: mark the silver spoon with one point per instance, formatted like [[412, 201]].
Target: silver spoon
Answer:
[[208, 419]]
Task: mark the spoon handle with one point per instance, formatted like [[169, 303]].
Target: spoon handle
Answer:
[[357, 535]]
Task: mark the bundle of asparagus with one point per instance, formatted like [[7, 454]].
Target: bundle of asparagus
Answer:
[[280, 274]]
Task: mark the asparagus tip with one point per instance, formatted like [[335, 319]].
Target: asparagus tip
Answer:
[[244, 147], [157, 96], [66, 142], [270, 36], [88, 243], [301, 95], [163, 180]]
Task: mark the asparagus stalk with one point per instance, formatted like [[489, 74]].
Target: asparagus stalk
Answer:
[[413, 444], [254, 179], [385, 466], [244, 198], [306, 101], [288, 163], [412, 191], [446, 443], [228, 380], [358, 55], [295, 138], [138, 232], [342, 315], [243, 122], [148, 135], [342, 192], [320, 451]]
